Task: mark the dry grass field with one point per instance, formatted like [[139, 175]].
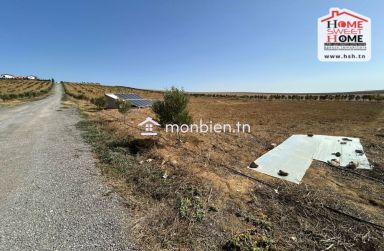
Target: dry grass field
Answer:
[[199, 194], [12, 90]]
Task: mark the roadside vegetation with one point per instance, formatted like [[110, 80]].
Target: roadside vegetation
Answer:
[[197, 193], [22, 89]]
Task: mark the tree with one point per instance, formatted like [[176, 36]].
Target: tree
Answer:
[[100, 102], [173, 109], [123, 107]]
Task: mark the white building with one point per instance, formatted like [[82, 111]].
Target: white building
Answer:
[[7, 76], [32, 77]]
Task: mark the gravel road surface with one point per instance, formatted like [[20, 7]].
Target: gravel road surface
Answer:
[[52, 196]]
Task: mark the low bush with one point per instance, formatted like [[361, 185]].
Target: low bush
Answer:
[[123, 107], [173, 109], [100, 102]]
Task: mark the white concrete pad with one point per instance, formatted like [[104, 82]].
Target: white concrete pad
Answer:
[[295, 155]]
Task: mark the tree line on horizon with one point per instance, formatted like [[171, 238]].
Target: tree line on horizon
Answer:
[[322, 97]]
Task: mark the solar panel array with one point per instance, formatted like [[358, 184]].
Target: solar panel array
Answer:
[[141, 102], [135, 99], [128, 96]]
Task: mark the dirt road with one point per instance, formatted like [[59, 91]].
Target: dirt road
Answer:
[[51, 194]]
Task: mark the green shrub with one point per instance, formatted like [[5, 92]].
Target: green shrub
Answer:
[[5, 97], [173, 109], [100, 102], [246, 242], [123, 107], [241, 242], [190, 205]]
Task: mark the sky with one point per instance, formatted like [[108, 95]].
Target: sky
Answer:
[[199, 45]]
